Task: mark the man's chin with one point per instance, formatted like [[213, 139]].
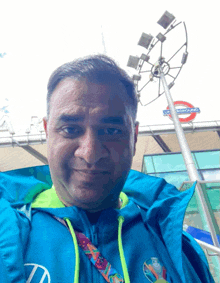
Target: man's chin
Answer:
[[91, 198], [85, 179], [93, 205]]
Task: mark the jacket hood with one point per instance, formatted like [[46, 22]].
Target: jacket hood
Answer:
[[27, 183]]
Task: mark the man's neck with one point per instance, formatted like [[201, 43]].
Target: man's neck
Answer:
[[93, 216]]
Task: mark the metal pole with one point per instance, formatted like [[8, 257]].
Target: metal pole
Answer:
[[190, 166]]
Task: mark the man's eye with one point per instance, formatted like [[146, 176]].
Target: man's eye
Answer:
[[71, 130], [111, 131]]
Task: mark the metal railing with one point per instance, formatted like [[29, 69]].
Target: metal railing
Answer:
[[193, 214], [209, 247]]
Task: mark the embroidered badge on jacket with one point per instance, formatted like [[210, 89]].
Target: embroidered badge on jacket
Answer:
[[154, 271]]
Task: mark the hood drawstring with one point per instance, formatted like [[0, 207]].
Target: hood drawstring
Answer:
[[49, 199], [120, 247], [77, 260], [121, 251]]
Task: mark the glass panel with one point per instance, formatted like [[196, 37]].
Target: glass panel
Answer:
[[214, 198], [196, 225], [195, 220], [148, 165], [213, 192], [143, 170], [169, 162], [214, 265], [213, 174], [194, 160], [208, 159], [192, 216], [174, 178]]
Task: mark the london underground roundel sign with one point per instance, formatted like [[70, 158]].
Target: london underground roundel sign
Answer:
[[189, 109]]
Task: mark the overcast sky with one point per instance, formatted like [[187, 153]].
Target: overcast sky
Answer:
[[38, 36]]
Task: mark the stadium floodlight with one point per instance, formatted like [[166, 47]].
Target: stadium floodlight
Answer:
[[161, 37], [145, 40], [159, 71], [133, 61], [166, 20], [145, 57], [184, 58], [136, 78]]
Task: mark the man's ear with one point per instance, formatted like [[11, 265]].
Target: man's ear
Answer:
[[45, 125], [136, 135]]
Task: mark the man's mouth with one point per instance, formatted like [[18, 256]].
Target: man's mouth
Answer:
[[92, 172]]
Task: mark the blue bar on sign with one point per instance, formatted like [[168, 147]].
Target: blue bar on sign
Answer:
[[183, 111]]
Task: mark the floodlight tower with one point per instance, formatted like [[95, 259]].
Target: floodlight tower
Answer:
[[160, 70]]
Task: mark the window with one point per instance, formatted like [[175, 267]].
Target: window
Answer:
[[171, 166]]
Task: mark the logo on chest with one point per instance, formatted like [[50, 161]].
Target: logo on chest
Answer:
[[154, 271], [36, 273]]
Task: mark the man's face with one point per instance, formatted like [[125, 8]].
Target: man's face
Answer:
[[91, 140]]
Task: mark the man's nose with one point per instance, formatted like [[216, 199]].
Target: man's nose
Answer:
[[90, 148]]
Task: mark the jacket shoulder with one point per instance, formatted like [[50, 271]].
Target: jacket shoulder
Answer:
[[21, 186], [14, 233], [196, 259]]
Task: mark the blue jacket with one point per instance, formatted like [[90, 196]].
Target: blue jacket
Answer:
[[35, 246]]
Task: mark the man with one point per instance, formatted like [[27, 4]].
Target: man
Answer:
[[81, 227], [91, 134]]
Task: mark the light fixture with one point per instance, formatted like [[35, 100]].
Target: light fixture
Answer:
[[145, 40], [166, 20], [136, 78], [133, 61], [161, 37], [145, 57], [184, 58], [171, 85]]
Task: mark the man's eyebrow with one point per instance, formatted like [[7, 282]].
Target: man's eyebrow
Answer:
[[116, 120], [71, 118], [113, 120]]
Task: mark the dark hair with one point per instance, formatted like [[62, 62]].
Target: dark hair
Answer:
[[97, 69]]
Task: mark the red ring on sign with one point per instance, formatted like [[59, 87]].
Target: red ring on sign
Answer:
[[189, 105]]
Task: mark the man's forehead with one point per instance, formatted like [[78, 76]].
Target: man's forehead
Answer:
[[99, 114], [73, 97], [83, 91]]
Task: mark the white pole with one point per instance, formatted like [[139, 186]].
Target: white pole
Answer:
[[190, 166]]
